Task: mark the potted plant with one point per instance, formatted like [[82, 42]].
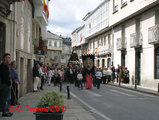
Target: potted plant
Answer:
[[50, 106]]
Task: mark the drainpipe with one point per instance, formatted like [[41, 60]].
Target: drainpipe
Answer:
[[14, 32]]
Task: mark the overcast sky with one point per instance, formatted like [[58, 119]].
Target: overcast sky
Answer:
[[66, 15]]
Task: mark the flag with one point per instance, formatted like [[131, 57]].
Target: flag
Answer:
[[47, 12], [80, 39], [88, 64], [88, 52], [95, 51], [45, 6]]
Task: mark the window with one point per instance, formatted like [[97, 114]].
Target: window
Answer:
[[62, 56], [157, 63], [53, 55], [55, 44], [123, 3], [115, 6], [50, 43], [89, 26]]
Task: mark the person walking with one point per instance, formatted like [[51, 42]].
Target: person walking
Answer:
[[70, 73], [104, 75], [80, 78], [56, 76], [98, 77], [42, 74], [49, 76], [6, 85], [15, 82], [113, 74], [126, 75], [36, 76]]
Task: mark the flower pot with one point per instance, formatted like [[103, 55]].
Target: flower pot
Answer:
[[49, 115]]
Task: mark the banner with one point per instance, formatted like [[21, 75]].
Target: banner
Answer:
[[88, 63]]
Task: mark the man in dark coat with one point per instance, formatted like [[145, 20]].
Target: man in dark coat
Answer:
[[6, 85]]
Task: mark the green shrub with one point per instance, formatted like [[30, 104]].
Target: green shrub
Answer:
[[52, 98]]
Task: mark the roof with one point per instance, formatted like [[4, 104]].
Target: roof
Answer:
[[53, 36], [67, 40], [90, 13], [76, 30]]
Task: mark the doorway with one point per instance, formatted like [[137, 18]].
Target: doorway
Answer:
[[138, 67], [108, 62], [103, 63], [29, 78], [21, 77], [2, 39], [122, 58]]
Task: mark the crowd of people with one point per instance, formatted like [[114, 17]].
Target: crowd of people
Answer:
[[9, 81], [77, 75], [45, 74]]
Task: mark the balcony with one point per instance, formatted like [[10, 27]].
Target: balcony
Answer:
[[153, 35], [41, 49], [121, 44], [104, 50], [39, 13], [136, 40]]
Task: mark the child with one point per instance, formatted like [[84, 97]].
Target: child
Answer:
[[80, 77]]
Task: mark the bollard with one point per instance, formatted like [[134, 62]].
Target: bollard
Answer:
[[158, 88], [119, 82], [68, 93], [60, 86], [135, 84]]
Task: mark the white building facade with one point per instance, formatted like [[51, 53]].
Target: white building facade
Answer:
[[128, 38], [135, 30]]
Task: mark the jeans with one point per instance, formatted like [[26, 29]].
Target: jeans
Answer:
[[6, 91], [80, 84], [98, 83]]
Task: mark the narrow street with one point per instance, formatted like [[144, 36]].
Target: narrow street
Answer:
[[113, 103]]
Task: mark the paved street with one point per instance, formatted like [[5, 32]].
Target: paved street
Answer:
[[113, 103]]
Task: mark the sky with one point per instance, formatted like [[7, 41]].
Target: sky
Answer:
[[66, 15]]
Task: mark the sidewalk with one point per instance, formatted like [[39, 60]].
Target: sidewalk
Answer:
[[74, 110], [139, 88]]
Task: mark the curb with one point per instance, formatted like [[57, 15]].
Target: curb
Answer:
[[150, 93]]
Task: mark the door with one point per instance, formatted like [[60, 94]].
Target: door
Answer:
[[2, 39], [21, 77], [123, 58], [103, 63], [138, 67], [29, 76], [108, 62], [157, 63]]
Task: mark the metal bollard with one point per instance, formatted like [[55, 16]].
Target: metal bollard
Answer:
[[119, 82], [68, 93], [158, 88], [135, 84], [60, 86]]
